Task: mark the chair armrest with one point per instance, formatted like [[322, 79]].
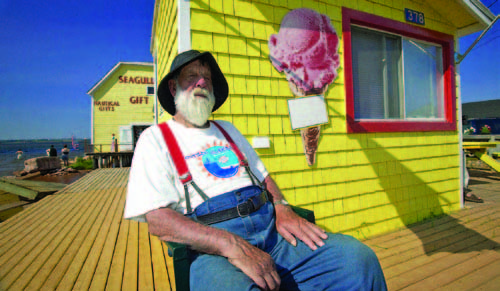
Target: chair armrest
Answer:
[[304, 213], [182, 264]]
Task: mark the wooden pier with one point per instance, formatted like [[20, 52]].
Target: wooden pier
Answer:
[[111, 159], [77, 239]]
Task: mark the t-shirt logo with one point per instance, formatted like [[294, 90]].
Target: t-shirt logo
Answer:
[[220, 161]]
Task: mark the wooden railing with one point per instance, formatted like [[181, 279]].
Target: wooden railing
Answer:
[[103, 148]]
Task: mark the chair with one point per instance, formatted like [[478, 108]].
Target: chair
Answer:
[[180, 255]]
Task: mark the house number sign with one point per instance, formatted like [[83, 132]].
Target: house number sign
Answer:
[[414, 16]]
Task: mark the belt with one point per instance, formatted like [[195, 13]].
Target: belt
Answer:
[[241, 210]]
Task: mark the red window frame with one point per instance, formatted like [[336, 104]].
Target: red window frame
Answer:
[[350, 17]]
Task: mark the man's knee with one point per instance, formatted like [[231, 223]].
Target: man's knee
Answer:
[[356, 254], [361, 266]]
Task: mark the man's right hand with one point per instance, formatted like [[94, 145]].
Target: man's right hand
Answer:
[[170, 225], [255, 263]]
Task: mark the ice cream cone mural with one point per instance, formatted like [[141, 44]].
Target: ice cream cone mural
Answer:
[[306, 49]]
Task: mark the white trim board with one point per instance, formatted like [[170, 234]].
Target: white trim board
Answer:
[[184, 25]]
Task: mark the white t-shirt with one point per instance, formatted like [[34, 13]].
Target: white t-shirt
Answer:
[[154, 181]]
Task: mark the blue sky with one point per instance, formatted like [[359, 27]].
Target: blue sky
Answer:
[[480, 70], [52, 52]]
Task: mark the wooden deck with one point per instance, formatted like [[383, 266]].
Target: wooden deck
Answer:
[[16, 194], [77, 239], [28, 189], [460, 251]]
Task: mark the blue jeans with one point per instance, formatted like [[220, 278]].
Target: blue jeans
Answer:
[[343, 263]]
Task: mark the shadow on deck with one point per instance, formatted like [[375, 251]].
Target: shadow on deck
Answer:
[[452, 252]]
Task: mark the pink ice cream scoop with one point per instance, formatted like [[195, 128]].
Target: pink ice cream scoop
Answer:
[[306, 49]]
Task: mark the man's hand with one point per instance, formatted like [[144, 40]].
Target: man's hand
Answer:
[[292, 226], [255, 263], [170, 225]]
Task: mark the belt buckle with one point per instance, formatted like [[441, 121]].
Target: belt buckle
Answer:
[[245, 208]]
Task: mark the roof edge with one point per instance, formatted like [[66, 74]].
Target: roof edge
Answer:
[[153, 29], [110, 72], [481, 13]]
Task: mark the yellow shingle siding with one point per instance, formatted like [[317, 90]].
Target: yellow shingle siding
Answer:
[[362, 184], [166, 39], [113, 106]]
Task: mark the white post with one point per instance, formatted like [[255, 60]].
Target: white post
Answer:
[[184, 25]]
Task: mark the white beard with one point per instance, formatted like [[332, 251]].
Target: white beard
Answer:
[[195, 110]]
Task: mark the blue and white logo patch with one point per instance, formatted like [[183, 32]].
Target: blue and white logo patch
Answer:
[[218, 160], [221, 162]]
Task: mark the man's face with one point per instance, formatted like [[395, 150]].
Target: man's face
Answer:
[[194, 98], [195, 75]]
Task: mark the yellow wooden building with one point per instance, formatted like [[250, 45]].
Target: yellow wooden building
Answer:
[[122, 104], [390, 153]]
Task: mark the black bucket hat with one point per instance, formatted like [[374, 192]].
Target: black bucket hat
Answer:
[[219, 83]]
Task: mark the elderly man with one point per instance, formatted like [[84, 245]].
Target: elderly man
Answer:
[[200, 183]]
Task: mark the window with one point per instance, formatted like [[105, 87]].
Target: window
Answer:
[[151, 90], [399, 77]]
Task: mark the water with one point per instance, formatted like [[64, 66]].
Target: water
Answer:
[[32, 149]]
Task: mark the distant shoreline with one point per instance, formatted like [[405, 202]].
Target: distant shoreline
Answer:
[[42, 139], [33, 148]]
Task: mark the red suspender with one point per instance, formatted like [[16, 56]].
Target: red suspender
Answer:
[[175, 153], [181, 165], [241, 158]]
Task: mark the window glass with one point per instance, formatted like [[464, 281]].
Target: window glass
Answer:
[[367, 71], [423, 79], [395, 77]]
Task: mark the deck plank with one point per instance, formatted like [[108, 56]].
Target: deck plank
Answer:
[[88, 270], [429, 231], [492, 284], [102, 270], [456, 271], [438, 243], [55, 245], [62, 249], [27, 250], [459, 251], [115, 277], [74, 243], [145, 265], [48, 253], [409, 265], [399, 235], [71, 276], [160, 271], [30, 219], [131, 258], [78, 239], [170, 266]]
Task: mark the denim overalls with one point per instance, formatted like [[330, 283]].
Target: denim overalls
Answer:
[[343, 263]]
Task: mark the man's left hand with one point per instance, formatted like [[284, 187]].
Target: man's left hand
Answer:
[[292, 226]]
